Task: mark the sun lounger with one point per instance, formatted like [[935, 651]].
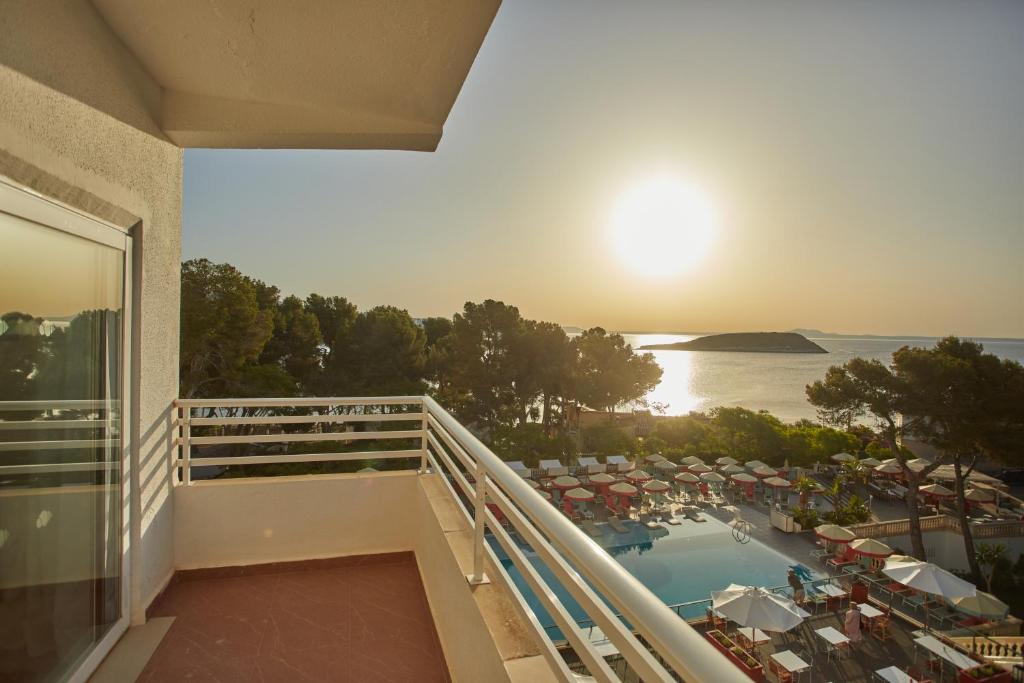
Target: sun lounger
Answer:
[[694, 514], [591, 528]]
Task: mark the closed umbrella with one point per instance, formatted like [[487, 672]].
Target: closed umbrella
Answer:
[[699, 468], [711, 477], [835, 533], [756, 608], [726, 460], [731, 469], [843, 457], [982, 604]]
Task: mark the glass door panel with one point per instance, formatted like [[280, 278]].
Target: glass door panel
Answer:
[[61, 359]]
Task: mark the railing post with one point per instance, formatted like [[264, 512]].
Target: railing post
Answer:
[[186, 448], [424, 461], [479, 523]]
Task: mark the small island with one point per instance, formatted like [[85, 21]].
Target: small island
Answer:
[[749, 342]]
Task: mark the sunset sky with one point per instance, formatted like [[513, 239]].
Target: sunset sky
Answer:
[[861, 164]]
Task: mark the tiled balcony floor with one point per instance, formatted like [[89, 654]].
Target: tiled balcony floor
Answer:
[[349, 619]]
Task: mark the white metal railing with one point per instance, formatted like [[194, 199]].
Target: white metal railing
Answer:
[[57, 418], [668, 648]]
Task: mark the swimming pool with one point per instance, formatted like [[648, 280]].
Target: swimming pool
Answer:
[[678, 563]]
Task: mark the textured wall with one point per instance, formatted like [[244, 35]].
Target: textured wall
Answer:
[[75, 113]]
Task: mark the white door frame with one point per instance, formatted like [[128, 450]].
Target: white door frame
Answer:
[[27, 204]]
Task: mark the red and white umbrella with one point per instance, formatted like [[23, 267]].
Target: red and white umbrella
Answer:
[[835, 533], [565, 482], [765, 472], [870, 547], [687, 478], [623, 489], [731, 469], [712, 478], [699, 468], [638, 476], [776, 483], [980, 495], [579, 495], [937, 491], [655, 486], [743, 478]]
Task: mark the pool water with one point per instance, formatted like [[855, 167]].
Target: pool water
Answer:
[[678, 563]]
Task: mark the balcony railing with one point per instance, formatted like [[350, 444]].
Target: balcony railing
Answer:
[[667, 647]]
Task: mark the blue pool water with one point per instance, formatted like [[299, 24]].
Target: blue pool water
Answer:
[[678, 563]]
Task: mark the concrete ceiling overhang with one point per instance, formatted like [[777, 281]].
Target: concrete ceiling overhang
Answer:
[[326, 74]]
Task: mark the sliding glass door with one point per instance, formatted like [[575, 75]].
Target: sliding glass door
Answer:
[[62, 449]]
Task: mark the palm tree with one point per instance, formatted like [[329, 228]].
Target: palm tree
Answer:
[[988, 556], [805, 486]]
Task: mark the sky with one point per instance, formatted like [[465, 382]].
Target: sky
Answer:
[[863, 161]]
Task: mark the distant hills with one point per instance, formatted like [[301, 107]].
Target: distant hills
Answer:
[[749, 342]]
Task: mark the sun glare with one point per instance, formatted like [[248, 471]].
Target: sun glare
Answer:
[[662, 227]]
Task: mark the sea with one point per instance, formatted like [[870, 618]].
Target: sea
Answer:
[[702, 380]]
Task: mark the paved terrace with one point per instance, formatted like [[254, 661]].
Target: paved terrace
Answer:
[[348, 619]]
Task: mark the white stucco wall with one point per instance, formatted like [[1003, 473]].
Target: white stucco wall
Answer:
[[946, 548], [235, 522], [76, 123]]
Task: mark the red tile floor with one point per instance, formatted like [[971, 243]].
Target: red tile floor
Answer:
[[348, 619]]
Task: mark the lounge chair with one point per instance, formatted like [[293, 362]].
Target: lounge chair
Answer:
[[616, 524], [591, 528], [668, 517], [694, 514]]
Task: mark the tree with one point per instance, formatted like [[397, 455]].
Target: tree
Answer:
[[861, 387], [381, 354], [436, 329], [550, 364], [989, 556], [484, 376], [750, 435], [334, 315], [965, 404], [223, 328], [805, 486], [610, 374], [295, 342]]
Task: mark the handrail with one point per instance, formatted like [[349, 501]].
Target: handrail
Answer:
[[481, 480], [685, 650], [901, 527]]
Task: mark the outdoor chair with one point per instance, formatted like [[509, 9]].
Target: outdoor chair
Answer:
[[880, 628], [780, 673]]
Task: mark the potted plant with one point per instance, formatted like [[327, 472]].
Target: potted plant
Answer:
[[989, 673], [747, 664], [721, 641]]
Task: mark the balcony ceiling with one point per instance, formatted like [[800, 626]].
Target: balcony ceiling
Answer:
[[336, 74]]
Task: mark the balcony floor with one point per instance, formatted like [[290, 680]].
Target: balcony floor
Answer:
[[348, 619]]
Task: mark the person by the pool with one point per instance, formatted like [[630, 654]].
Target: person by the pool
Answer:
[[796, 585], [852, 623]]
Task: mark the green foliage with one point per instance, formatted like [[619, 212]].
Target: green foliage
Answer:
[[383, 353], [807, 519], [610, 374], [531, 443], [854, 511], [989, 556], [608, 440]]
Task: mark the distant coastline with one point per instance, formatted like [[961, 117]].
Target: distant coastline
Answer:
[[744, 342]]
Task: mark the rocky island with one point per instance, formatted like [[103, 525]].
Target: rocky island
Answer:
[[749, 342]]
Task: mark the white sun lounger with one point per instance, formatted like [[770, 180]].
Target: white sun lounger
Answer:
[[616, 524], [591, 528]]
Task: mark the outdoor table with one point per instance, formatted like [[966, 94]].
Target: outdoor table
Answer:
[[754, 636], [833, 637], [790, 662], [940, 649], [892, 674], [832, 591], [870, 611]]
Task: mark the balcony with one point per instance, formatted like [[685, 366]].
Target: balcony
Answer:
[[436, 505]]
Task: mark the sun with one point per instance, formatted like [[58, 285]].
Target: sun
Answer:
[[662, 227]]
